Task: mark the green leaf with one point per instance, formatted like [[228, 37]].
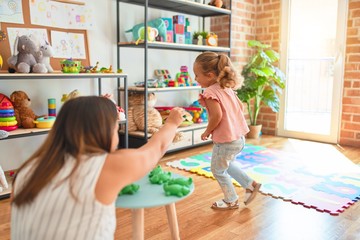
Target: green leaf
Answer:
[[263, 82], [272, 55], [254, 43]]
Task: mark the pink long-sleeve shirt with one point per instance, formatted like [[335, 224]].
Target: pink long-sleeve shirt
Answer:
[[233, 124]]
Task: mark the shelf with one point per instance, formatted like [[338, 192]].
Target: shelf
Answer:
[[180, 129], [56, 75], [182, 6], [22, 132], [165, 89], [19, 133], [175, 46]]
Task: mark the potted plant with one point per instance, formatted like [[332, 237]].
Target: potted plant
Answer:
[[263, 83], [202, 39]]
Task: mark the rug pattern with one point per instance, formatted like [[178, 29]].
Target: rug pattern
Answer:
[[331, 185]]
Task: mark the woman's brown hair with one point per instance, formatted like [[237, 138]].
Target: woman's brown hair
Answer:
[[221, 66], [84, 126]]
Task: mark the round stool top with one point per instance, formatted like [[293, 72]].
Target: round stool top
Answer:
[[149, 195]]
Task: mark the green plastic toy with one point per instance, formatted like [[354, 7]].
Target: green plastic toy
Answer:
[[176, 190], [155, 171], [181, 181], [160, 178], [130, 189]]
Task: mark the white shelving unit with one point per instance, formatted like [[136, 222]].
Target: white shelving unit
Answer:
[[192, 133], [20, 132]]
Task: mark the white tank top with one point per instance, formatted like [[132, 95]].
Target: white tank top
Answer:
[[55, 214]]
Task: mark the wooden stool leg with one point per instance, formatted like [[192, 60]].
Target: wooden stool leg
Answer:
[[138, 224], [172, 220]]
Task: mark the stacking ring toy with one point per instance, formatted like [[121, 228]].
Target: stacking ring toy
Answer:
[[6, 110], [8, 124], [7, 119], [6, 114], [9, 128]]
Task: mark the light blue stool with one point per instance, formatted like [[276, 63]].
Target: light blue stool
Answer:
[[148, 196]]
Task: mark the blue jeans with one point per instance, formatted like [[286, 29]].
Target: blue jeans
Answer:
[[223, 165]]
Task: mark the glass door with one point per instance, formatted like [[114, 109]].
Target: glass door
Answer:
[[312, 55]]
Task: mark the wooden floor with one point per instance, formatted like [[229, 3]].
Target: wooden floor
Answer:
[[265, 218]]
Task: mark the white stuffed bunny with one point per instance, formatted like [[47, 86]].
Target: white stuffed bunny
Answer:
[[3, 182]]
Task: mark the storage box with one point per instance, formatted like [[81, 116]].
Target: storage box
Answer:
[[179, 38], [169, 36], [179, 29], [168, 23], [179, 19], [188, 38]]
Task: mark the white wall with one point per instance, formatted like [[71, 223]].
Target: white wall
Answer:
[[103, 48]]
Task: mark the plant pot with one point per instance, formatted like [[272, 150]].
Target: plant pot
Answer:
[[254, 131]]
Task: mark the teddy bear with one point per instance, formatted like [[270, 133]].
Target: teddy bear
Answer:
[[136, 114], [25, 116]]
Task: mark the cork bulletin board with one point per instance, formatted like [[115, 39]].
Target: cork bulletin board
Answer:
[[5, 46]]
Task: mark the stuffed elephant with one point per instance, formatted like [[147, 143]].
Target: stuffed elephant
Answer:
[[25, 50]]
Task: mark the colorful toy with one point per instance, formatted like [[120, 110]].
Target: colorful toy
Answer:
[[45, 122], [164, 73], [25, 116], [121, 112], [73, 94], [129, 189], [212, 39], [183, 78], [165, 111], [106, 70], [70, 66], [152, 33], [52, 107], [157, 23], [176, 190], [198, 112], [7, 116], [95, 69]]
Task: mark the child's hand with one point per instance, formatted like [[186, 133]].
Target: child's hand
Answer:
[[176, 116], [205, 136]]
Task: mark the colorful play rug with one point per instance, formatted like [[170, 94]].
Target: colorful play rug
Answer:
[[320, 178]]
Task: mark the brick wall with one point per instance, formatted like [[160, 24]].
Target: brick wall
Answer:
[[260, 20], [268, 32], [350, 120]]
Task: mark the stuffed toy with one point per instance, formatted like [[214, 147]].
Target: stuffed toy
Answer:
[[73, 94], [3, 182], [136, 114], [25, 116], [43, 57], [217, 3], [23, 60]]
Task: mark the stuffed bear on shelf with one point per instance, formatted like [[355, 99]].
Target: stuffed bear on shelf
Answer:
[[136, 114], [25, 116]]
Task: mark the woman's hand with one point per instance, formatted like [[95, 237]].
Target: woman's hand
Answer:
[[176, 116]]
